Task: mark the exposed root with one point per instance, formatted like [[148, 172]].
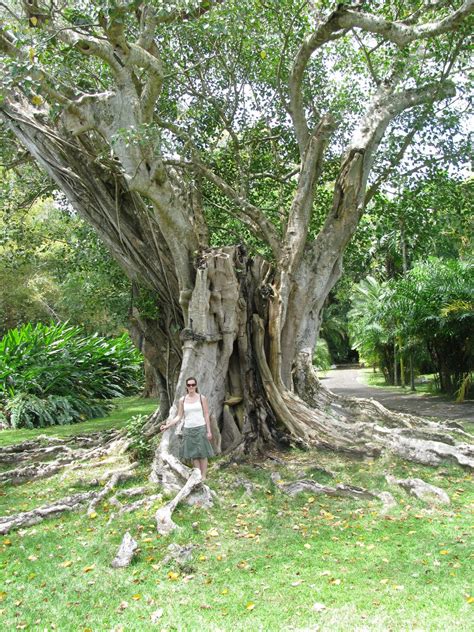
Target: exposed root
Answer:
[[148, 501], [424, 491], [359, 426], [164, 523], [36, 450], [125, 553], [341, 490], [28, 518], [114, 478], [114, 445]]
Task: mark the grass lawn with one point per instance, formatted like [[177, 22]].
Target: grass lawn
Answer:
[[125, 408], [263, 561], [377, 379]]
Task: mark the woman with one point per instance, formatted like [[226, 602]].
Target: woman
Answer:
[[196, 429]]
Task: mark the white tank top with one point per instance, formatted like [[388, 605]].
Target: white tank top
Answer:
[[193, 415]]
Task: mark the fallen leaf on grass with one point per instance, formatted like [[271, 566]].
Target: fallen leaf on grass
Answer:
[[318, 607], [213, 533], [66, 564], [225, 591], [297, 583], [250, 606], [88, 569], [172, 576], [122, 606], [335, 582], [156, 615], [93, 515], [205, 606], [7, 542], [444, 552], [470, 600], [136, 597], [2, 595]]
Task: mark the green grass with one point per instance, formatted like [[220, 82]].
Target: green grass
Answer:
[[125, 408], [377, 380], [261, 562]]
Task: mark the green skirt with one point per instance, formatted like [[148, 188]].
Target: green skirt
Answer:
[[195, 444]]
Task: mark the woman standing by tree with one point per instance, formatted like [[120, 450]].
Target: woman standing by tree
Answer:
[[196, 428]]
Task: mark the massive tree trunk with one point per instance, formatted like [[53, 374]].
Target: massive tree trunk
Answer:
[[241, 326]]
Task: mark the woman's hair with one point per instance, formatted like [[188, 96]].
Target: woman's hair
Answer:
[[194, 379]]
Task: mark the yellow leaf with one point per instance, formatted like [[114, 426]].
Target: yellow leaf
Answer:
[[250, 606], [66, 564], [88, 569], [32, 558], [384, 581], [470, 600], [311, 499], [147, 540], [172, 576], [136, 597], [7, 542], [33, 20], [219, 558], [444, 552], [93, 514], [307, 546], [335, 582], [225, 591], [213, 533], [263, 54], [202, 558], [31, 54], [2, 595]]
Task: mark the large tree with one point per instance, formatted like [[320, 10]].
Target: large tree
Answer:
[[170, 124]]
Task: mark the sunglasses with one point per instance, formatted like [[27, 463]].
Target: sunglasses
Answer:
[[192, 384]]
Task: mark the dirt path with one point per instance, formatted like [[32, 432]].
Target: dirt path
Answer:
[[350, 382]]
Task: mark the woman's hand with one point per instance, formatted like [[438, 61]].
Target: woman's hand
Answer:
[[164, 427], [209, 435]]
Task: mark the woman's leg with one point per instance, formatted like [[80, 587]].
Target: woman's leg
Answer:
[[197, 463], [203, 468]]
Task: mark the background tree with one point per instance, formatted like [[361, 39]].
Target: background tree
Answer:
[[427, 313], [138, 110]]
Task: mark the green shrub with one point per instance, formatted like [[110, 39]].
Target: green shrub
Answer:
[[141, 447], [55, 374], [321, 356]]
